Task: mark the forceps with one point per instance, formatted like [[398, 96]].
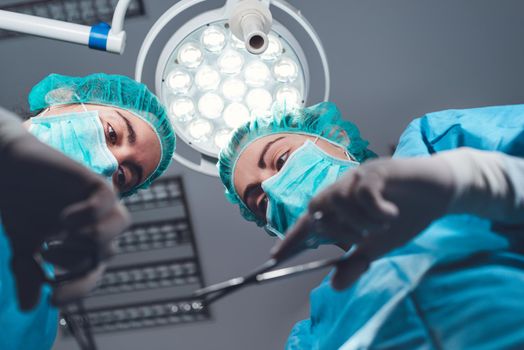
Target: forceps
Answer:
[[263, 273]]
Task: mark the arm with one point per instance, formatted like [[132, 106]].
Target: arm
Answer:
[[487, 184], [385, 203], [57, 195]]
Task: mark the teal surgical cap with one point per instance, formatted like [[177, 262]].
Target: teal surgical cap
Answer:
[[110, 90], [323, 120]]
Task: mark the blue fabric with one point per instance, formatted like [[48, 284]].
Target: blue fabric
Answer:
[[307, 172], [34, 330], [79, 136], [455, 286]]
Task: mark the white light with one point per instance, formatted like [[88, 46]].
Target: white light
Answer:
[[236, 114], [207, 78], [274, 49], [259, 99], [183, 109], [179, 81], [234, 89], [213, 39], [289, 97], [260, 113], [190, 55], [200, 130], [210, 105], [256, 74], [285, 70], [222, 137], [230, 62], [237, 43]]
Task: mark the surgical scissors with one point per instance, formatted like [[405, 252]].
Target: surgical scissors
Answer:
[[263, 273]]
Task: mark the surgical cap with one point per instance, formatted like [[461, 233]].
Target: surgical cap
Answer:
[[323, 120], [110, 90]]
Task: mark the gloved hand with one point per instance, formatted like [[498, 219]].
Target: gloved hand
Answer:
[[43, 193], [379, 206]]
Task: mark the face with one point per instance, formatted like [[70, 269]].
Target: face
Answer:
[[263, 159], [131, 140]]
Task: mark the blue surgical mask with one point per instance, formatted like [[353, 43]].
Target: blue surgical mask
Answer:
[[80, 136], [307, 171]]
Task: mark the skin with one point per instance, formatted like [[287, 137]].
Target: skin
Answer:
[[137, 156], [254, 166]]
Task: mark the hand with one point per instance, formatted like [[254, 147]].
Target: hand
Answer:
[[379, 206], [44, 193]]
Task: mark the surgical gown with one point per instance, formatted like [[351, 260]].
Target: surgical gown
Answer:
[[34, 330], [458, 285]]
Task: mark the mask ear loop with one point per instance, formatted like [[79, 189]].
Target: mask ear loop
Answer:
[[82, 103], [44, 112], [345, 150]]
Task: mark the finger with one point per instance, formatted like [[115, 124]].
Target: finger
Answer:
[[295, 239], [73, 290], [355, 220], [84, 213], [369, 197], [350, 269], [107, 228]]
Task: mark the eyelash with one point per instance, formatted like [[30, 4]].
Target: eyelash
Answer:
[[113, 137], [262, 204], [120, 177], [281, 161]]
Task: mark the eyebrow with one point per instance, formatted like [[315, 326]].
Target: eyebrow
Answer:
[[261, 161], [131, 135]]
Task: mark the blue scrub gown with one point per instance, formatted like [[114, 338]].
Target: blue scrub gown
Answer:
[[457, 285], [19, 330]]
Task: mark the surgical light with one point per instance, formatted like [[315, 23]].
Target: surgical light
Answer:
[[227, 66], [179, 81], [234, 89], [235, 115]]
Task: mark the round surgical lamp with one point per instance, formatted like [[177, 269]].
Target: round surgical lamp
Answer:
[[227, 66]]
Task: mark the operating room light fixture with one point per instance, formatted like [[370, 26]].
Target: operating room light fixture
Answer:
[[212, 84], [227, 66]]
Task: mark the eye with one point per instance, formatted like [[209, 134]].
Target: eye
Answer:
[[282, 160], [120, 178], [112, 134]]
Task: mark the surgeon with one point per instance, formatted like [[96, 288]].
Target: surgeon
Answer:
[[92, 139], [432, 240]]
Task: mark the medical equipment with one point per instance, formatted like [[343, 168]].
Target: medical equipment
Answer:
[[156, 266], [214, 74], [218, 70], [307, 171], [80, 136], [264, 273]]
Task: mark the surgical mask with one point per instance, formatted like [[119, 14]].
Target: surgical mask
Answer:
[[80, 136], [306, 172]]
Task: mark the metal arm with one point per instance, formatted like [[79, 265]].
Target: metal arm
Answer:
[[99, 37]]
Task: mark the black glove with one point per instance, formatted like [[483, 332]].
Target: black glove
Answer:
[[42, 194]]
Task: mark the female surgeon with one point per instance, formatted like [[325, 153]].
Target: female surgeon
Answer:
[[109, 124], [436, 263]]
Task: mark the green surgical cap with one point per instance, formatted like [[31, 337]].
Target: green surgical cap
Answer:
[[323, 120], [110, 90]]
